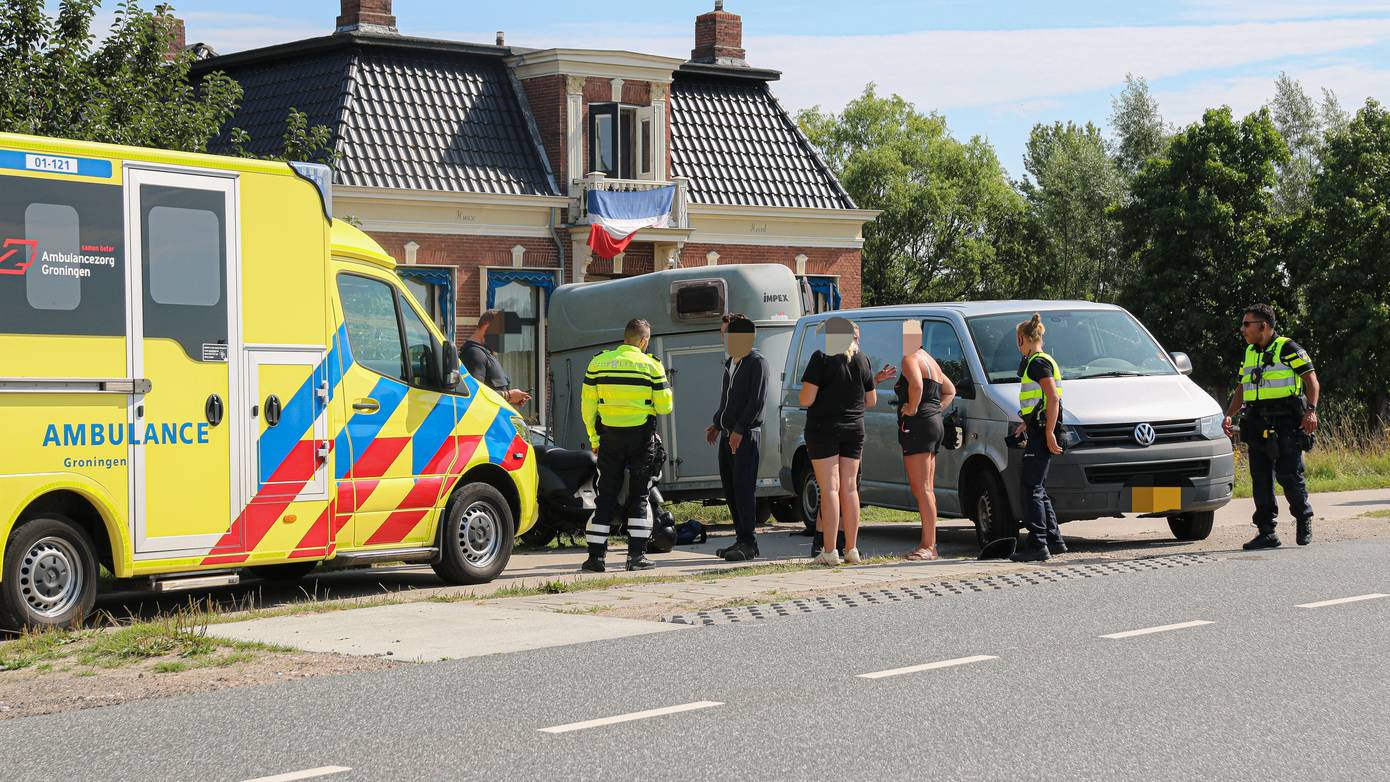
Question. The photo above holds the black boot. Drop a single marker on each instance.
(741, 552)
(1031, 554)
(593, 564)
(1262, 540)
(640, 562)
(1305, 532)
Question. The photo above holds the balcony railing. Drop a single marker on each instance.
(680, 214)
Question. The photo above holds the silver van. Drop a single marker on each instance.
(1132, 418)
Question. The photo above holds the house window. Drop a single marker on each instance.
(433, 287)
(824, 293)
(620, 140)
(524, 294)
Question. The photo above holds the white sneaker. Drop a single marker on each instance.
(827, 557)
(852, 556)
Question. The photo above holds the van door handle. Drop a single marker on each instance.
(366, 405)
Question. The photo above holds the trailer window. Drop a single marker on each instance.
(62, 258)
(374, 333)
(698, 299)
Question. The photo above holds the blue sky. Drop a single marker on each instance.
(992, 67)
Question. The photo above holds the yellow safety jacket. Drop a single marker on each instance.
(623, 387)
(1030, 393)
(1264, 376)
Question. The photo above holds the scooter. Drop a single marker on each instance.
(566, 491)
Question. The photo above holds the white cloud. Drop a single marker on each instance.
(955, 69)
(1253, 10)
(1353, 83)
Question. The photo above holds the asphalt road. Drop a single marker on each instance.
(1266, 690)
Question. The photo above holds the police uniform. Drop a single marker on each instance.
(1044, 533)
(1271, 382)
(624, 390)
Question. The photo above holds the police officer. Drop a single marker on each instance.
(624, 390)
(1279, 393)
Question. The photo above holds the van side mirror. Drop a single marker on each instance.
(449, 363)
(1182, 362)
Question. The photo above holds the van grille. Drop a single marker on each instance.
(1161, 472)
(1123, 434)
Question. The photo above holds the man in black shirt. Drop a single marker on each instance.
(479, 357)
(737, 429)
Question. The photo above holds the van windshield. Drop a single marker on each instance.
(1086, 343)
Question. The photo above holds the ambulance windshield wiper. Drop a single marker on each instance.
(1114, 373)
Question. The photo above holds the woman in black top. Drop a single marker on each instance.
(923, 392)
(835, 388)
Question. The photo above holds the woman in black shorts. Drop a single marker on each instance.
(836, 387)
(923, 392)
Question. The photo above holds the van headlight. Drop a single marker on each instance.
(1069, 437)
(1210, 427)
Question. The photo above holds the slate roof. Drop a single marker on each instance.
(739, 147)
(405, 113)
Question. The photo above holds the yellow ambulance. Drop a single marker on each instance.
(203, 374)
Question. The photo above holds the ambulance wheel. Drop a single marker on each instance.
(784, 510)
(50, 577)
(476, 537)
(290, 571)
(994, 520)
(1195, 525)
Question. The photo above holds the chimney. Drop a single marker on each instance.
(501, 38)
(366, 16)
(177, 42)
(718, 37)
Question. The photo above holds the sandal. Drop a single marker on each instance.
(921, 555)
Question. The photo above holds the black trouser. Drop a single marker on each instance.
(1280, 460)
(623, 451)
(739, 474)
(1037, 506)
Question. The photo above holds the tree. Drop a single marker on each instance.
(1137, 124)
(1343, 263)
(1201, 229)
(947, 205)
(1071, 186)
(1299, 124)
(1334, 118)
(57, 80)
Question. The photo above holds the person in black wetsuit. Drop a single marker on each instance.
(923, 392)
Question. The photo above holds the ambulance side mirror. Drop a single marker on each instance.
(448, 357)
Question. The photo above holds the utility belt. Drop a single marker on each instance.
(648, 425)
(1262, 430)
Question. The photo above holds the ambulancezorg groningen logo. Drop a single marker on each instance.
(17, 255)
(1145, 435)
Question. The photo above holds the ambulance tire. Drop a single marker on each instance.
(1194, 525)
(475, 541)
(290, 571)
(66, 588)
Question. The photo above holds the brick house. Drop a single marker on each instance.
(469, 162)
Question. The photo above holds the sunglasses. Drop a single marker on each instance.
(1245, 324)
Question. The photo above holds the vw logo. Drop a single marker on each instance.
(1145, 435)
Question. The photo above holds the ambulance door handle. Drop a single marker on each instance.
(366, 405)
(214, 409)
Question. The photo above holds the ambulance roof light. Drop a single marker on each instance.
(321, 177)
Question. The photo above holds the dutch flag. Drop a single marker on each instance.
(617, 215)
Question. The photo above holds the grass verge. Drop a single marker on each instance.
(1345, 459)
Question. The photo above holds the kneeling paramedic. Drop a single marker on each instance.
(1279, 394)
(624, 390)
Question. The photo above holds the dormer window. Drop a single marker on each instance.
(620, 140)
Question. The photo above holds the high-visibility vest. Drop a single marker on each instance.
(623, 387)
(1030, 393)
(1264, 376)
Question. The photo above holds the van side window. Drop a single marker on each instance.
(419, 347)
(62, 258)
(183, 237)
(882, 342)
(374, 334)
(941, 341)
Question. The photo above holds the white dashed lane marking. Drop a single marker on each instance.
(1342, 601)
(636, 715)
(308, 773)
(926, 667)
(1160, 629)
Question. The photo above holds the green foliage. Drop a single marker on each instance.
(1300, 125)
(57, 79)
(1202, 232)
(1071, 187)
(1135, 119)
(948, 208)
(1345, 242)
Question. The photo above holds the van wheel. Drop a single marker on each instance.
(290, 571)
(784, 510)
(539, 535)
(1195, 525)
(50, 575)
(807, 496)
(762, 510)
(993, 518)
(475, 540)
